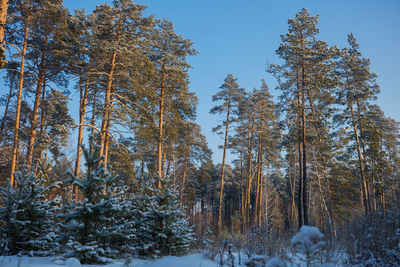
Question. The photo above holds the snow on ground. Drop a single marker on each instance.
(185, 261)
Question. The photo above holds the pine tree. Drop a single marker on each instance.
(230, 95)
(168, 52)
(119, 52)
(45, 63)
(306, 79)
(357, 90)
(27, 218)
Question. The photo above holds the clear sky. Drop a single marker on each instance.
(240, 37)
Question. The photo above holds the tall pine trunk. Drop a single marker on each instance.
(182, 188)
(107, 139)
(249, 167)
(3, 121)
(35, 113)
(260, 201)
(18, 111)
(160, 127)
(300, 159)
(83, 99)
(43, 122)
(93, 119)
(363, 181)
(305, 204)
(3, 18)
(364, 156)
(303, 114)
(221, 191)
(107, 105)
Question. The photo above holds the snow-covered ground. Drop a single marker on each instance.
(193, 260)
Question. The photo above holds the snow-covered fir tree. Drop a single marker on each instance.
(94, 231)
(26, 217)
(162, 227)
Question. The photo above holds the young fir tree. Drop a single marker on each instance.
(94, 231)
(162, 227)
(27, 218)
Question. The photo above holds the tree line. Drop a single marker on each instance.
(323, 154)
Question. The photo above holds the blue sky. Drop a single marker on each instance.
(240, 37)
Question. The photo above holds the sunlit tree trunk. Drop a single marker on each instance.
(182, 188)
(83, 99)
(35, 111)
(18, 111)
(249, 167)
(93, 119)
(260, 201)
(107, 105)
(221, 191)
(107, 139)
(3, 121)
(3, 18)
(363, 181)
(160, 127)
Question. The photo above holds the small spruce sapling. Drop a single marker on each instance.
(308, 242)
(93, 231)
(162, 228)
(26, 217)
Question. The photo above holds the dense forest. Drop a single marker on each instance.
(142, 179)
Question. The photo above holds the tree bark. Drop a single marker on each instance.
(300, 186)
(3, 121)
(305, 204)
(260, 201)
(83, 99)
(249, 167)
(107, 105)
(35, 113)
(93, 120)
(303, 114)
(364, 155)
(18, 112)
(3, 19)
(160, 126)
(107, 139)
(363, 181)
(221, 191)
(182, 188)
